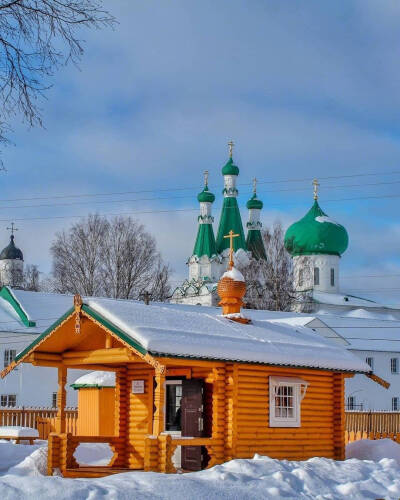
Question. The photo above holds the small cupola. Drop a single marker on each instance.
(232, 288)
(11, 252)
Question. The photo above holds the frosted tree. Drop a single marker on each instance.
(270, 282)
(116, 258)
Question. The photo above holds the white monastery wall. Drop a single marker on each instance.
(304, 272)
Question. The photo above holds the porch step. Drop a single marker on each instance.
(94, 471)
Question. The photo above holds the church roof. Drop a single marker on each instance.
(11, 251)
(206, 196)
(254, 202)
(316, 233)
(255, 244)
(230, 168)
(230, 220)
(205, 241)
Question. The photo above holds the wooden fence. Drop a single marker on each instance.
(372, 425)
(42, 419)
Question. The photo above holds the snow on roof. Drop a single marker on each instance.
(95, 379)
(341, 299)
(43, 308)
(201, 332)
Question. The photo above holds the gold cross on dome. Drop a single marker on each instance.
(230, 145)
(231, 235)
(205, 178)
(12, 228)
(316, 185)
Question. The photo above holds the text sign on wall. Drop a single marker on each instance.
(138, 386)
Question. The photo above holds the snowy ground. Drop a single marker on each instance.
(22, 470)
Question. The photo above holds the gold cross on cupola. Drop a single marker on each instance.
(254, 185)
(230, 145)
(12, 228)
(316, 185)
(231, 235)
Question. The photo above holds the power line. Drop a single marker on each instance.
(158, 198)
(119, 193)
(143, 212)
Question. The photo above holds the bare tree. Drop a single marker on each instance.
(30, 278)
(116, 258)
(77, 257)
(36, 38)
(270, 282)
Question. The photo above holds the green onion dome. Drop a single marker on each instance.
(206, 196)
(11, 251)
(230, 168)
(254, 202)
(316, 233)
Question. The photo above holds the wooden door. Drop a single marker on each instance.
(192, 421)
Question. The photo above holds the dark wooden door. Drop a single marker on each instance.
(192, 421)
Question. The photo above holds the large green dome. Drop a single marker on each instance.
(316, 233)
(230, 168)
(206, 196)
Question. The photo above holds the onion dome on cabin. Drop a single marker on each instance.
(316, 233)
(232, 288)
(11, 252)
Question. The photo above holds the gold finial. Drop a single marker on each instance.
(231, 235)
(205, 178)
(254, 185)
(316, 186)
(12, 228)
(230, 145)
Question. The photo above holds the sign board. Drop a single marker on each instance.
(138, 386)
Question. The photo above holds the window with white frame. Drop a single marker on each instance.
(394, 365)
(8, 400)
(9, 356)
(395, 404)
(286, 394)
(370, 362)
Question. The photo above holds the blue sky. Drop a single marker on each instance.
(305, 89)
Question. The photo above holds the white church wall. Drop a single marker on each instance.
(11, 271)
(368, 393)
(304, 271)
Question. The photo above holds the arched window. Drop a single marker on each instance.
(316, 275)
(332, 277)
(301, 277)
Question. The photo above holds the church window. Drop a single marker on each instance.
(370, 362)
(316, 275)
(395, 404)
(8, 400)
(301, 277)
(286, 394)
(9, 356)
(54, 400)
(332, 277)
(394, 365)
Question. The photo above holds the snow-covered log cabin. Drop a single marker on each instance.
(194, 387)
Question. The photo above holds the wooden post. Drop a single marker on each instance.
(338, 416)
(61, 399)
(159, 401)
(218, 416)
(121, 417)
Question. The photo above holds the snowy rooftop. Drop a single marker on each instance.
(95, 379)
(201, 332)
(341, 299)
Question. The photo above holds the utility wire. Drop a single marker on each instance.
(84, 195)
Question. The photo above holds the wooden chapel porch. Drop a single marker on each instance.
(83, 339)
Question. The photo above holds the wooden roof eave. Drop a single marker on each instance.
(27, 355)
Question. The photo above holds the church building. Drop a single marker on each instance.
(210, 255)
(11, 263)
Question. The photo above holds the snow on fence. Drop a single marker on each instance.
(42, 419)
